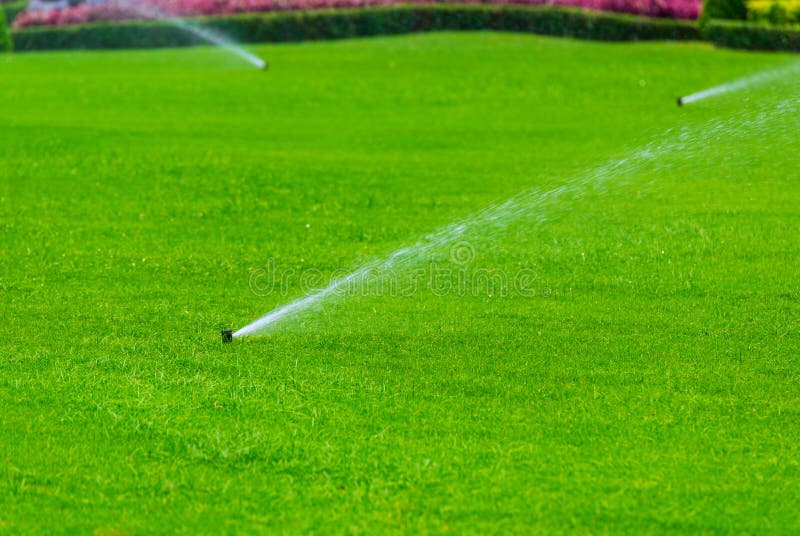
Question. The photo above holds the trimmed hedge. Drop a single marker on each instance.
(753, 36)
(339, 24)
(5, 37)
(723, 9)
(12, 9)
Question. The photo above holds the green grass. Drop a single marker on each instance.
(650, 386)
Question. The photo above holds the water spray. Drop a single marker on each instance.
(535, 206)
(215, 37)
(740, 83)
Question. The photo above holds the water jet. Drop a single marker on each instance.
(535, 206)
(740, 83)
(209, 35)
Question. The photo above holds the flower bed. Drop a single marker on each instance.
(118, 10)
(294, 26)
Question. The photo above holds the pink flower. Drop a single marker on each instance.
(118, 10)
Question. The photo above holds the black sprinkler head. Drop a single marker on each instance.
(680, 101)
(227, 335)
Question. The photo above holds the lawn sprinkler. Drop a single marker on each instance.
(227, 335)
(680, 101)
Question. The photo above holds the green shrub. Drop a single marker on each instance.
(338, 24)
(5, 35)
(753, 36)
(777, 14)
(12, 9)
(724, 9)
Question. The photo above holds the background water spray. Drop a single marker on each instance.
(220, 40)
(535, 206)
(210, 36)
(741, 83)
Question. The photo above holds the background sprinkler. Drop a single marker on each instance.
(741, 83)
(227, 335)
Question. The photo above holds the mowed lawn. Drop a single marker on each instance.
(649, 384)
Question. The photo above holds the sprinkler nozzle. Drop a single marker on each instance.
(680, 101)
(227, 335)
